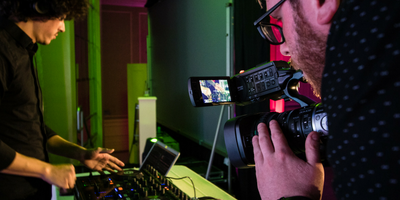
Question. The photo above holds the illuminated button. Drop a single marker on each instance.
(120, 188)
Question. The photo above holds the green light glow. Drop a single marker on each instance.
(154, 140)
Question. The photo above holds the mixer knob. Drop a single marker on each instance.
(186, 197)
(145, 192)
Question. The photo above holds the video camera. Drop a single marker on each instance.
(272, 80)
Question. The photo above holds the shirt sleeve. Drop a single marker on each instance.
(49, 132)
(7, 155)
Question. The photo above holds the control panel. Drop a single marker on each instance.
(129, 184)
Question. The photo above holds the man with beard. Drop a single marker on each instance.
(25, 171)
(349, 52)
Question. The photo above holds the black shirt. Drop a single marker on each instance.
(361, 89)
(22, 128)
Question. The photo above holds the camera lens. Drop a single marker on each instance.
(295, 125)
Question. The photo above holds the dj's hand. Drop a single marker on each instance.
(279, 172)
(62, 176)
(99, 159)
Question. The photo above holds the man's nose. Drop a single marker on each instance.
(62, 26)
(284, 49)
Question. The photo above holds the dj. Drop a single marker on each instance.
(349, 51)
(24, 138)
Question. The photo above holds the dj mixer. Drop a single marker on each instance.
(130, 184)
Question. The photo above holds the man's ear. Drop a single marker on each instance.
(326, 11)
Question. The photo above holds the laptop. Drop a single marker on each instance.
(161, 157)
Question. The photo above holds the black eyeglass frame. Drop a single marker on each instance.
(259, 23)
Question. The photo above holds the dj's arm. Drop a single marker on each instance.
(60, 175)
(97, 159)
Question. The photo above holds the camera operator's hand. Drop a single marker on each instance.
(279, 172)
(62, 176)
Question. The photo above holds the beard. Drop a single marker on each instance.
(308, 54)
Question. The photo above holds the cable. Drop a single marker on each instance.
(194, 188)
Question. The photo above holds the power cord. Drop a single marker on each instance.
(194, 188)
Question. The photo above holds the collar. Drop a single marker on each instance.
(18, 34)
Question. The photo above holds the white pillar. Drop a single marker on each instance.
(147, 122)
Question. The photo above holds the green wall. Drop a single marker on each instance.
(56, 68)
(57, 75)
(94, 62)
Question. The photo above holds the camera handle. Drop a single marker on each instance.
(292, 93)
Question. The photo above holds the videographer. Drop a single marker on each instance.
(24, 137)
(348, 51)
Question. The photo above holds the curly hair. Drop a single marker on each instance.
(22, 10)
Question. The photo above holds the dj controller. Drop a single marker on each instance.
(146, 184)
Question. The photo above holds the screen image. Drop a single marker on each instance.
(161, 157)
(215, 91)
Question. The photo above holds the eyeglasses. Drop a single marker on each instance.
(271, 32)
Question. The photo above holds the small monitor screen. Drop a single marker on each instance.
(161, 157)
(215, 91)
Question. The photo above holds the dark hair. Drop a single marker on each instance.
(22, 10)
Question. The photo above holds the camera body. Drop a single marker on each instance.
(273, 80)
(265, 81)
